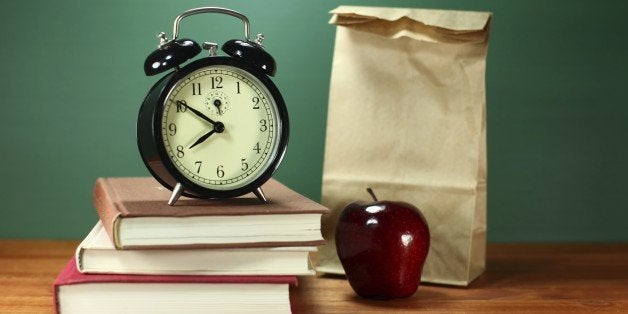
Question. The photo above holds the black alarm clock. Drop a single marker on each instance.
(216, 127)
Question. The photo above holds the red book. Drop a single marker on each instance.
(75, 292)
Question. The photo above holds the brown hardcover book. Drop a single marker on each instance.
(135, 214)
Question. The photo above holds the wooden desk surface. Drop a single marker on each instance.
(520, 278)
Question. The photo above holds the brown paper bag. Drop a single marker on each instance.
(407, 118)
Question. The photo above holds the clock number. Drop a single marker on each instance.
(219, 172)
(216, 82)
(181, 106)
(237, 87)
(256, 148)
(255, 102)
(196, 88)
(180, 152)
(172, 128)
(198, 163)
(245, 165)
(263, 127)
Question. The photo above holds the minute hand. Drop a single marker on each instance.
(198, 113)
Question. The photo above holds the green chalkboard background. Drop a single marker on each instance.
(557, 79)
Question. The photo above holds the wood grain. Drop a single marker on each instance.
(520, 278)
(27, 270)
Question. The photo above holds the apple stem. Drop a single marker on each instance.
(372, 194)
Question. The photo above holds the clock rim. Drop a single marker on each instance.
(190, 188)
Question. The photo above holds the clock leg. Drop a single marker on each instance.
(176, 193)
(260, 194)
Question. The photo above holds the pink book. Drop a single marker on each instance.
(75, 292)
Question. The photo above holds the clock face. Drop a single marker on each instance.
(220, 127)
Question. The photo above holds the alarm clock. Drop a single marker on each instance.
(216, 127)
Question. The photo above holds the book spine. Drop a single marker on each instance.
(108, 210)
(55, 298)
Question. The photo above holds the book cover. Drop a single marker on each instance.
(144, 201)
(96, 254)
(145, 290)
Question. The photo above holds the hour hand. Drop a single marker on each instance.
(203, 138)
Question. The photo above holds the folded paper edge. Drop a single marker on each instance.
(451, 20)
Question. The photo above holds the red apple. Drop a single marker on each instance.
(382, 247)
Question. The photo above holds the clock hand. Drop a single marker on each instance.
(203, 138)
(218, 103)
(198, 113)
(218, 128)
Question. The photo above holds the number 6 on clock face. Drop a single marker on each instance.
(234, 147)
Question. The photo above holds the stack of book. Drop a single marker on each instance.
(235, 255)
